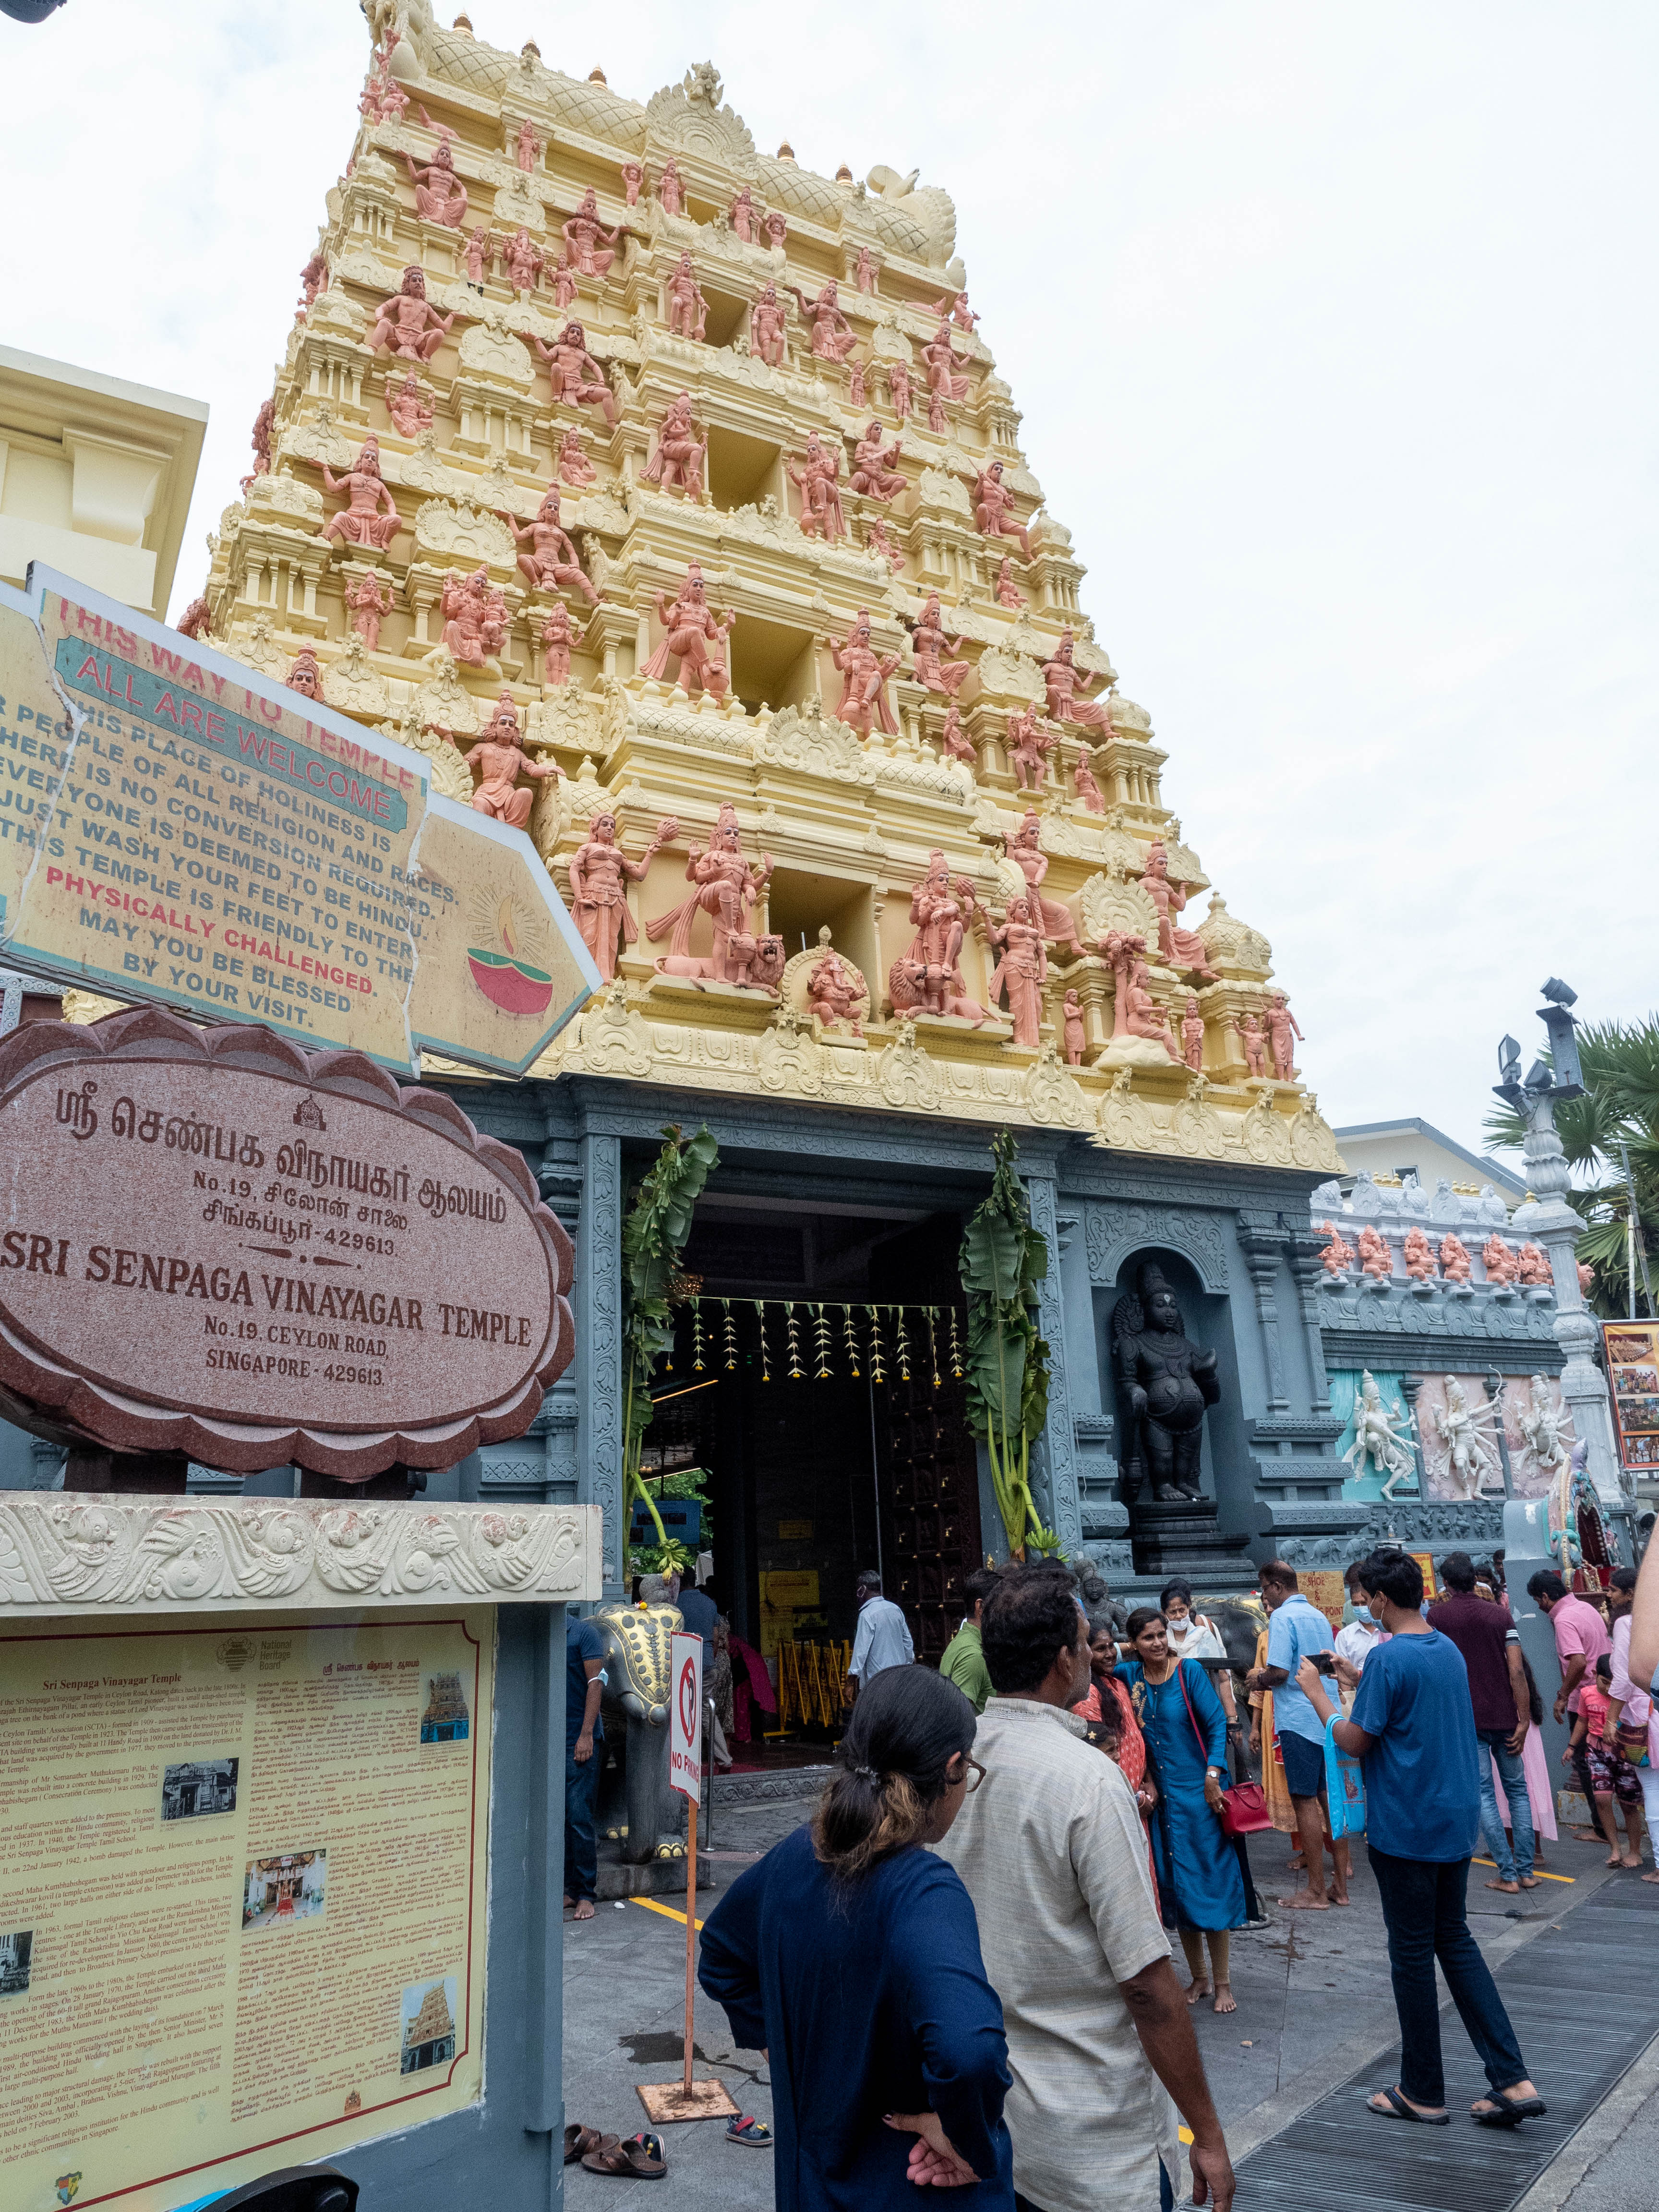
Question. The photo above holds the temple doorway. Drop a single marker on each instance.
(816, 1380)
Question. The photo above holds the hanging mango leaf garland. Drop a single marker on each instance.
(654, 1236)
(1003, 1260)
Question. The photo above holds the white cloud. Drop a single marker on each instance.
(1333, 335)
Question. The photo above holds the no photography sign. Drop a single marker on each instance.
(685, 1726)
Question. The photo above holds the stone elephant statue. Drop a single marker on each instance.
(637, 1809)
(1239, 1621)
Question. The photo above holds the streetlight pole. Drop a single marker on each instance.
(1548, 1219)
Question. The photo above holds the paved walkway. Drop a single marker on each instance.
(1314, 2011)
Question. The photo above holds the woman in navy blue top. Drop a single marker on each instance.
(850, 1954)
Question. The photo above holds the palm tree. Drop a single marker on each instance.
(1620, 1107)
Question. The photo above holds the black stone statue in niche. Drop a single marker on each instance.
(1167, 1385)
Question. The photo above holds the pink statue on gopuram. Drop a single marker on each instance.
(304, 675)
(362, 522)
(576, 378)
(954, 307)
(766, 326)
(1071, 1021)
(688, 310)
(1281, 1027)
(1023, 969)
(1248, 1033)
(728, 888)
(742, 216)
(407, 324)
(833, 336)
(877, 541)
(874, 473)
(1192, 1035)
(690, 629)
(575, 467)
(1532, 1266)
(263, 424)
(1586, 1279)
(1029, 747)
(834, 993)
(564, 284)
(817, 478)
(1420, 1263)
(1007, 596)
(1376, 1254)
(865, 271)
(676, 461)
(633, 177)
(898, 384)
(928, 643)
(1339, 1255)
(669, 194)
(953, 741)
(1455, 1261)
(1083, 782)
(994, 515)
(439, 195)
(937, 420)
(313, 279)
(497, 761)
(529, 147)
(600, 872)
(1499, 1259)
(479, 252)
(1176, 948)
(551, 564)
(1065, 689)
(557, 638)
(522, 261)
(475, 617)
(864, 673)
(856, 375)
(943, 361)
(926, 978)
(589, 248)
(369, 609)
(406, 403)
(196, 620)
(1025, 849)
(776, 229)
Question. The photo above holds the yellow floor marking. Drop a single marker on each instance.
(1542, 1875)
(650, 1905)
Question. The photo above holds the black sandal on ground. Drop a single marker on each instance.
(1504, 2111)
(1403, 2111)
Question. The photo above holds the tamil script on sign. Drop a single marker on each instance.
(176, 828)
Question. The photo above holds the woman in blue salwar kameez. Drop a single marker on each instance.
(1181, 1715)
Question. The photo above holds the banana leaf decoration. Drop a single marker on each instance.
(1003, 1260)
(654, 1236)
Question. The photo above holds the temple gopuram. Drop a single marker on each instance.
(666, 497)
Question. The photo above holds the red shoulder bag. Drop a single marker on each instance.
(1244, 1806)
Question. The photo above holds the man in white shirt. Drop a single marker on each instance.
(882, 1639)
(1052, 1851)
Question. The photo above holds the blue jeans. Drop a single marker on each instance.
(1512, 1865)
(581, 1843)
(1425, 1909)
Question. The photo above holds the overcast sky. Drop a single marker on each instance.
(1334, 332)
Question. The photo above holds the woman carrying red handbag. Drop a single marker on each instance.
(1200, 1893)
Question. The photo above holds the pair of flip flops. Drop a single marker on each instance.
(1501, 2111)
(747, 2130)
(639, 2159)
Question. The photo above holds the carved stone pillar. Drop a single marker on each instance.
(1057, 1497)
(1307, 1266)
(1409, 1387)
(599, 1301)
(1262, 1243)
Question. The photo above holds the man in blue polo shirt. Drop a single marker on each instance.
(1295, 1630)
(1413, 1730)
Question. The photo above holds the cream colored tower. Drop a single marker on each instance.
(848, 821)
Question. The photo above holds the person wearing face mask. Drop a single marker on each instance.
(1195, 1636)
(1357, 1638)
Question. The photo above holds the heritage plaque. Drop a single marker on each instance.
(246, 1894)
(213, 1242)
(177, 829)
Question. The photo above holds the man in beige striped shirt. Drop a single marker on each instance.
(1052, 1850)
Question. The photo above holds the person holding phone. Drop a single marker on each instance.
(1296, 1632)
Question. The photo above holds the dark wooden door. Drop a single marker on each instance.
(930, 1499)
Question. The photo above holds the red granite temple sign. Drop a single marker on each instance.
(213, 1242)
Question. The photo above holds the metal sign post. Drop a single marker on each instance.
(687, 2099)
